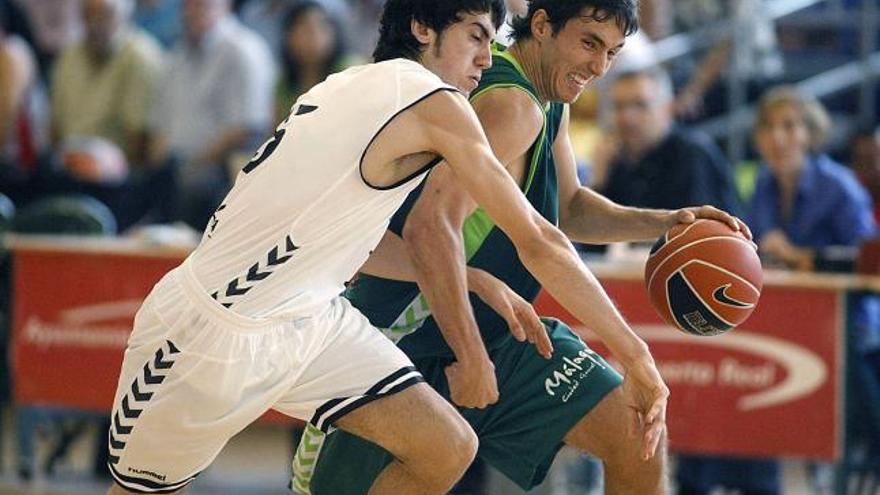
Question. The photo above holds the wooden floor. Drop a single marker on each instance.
(256, 463)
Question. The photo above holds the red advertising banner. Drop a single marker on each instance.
(773, 387)
(770, 388)
(73, 313)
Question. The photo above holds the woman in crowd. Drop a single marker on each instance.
(313, 48)
(806, 210)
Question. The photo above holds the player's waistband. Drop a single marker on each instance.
(184, 277)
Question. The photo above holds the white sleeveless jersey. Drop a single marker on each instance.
(300, 220)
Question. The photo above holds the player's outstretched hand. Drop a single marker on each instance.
(520, 316)
(691, 214)
(472, 385)
(646, 395)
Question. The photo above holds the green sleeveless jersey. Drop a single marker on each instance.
(399, 309)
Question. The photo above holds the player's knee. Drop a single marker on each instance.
(634, 474)
(451, 452)
(459, 444)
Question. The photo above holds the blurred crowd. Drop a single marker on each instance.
(150, 107)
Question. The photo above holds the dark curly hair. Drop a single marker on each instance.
(395, 33)
(624, 12)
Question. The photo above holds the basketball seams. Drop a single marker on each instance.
(683, 232)
(725, 271)
(697, 293)
(694, 290)
(682, 248)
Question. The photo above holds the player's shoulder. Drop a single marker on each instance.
(401, 71)
(511, 105)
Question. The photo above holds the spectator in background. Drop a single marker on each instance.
(267, 18)
(161, 18)
(314, 48)
(804, 201)
(55, 24)
(104, 85)
(16, 21)
(21, 121)
(804, 206)
(215, 100)
(649, 161)
(806, 211)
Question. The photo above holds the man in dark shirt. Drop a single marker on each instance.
(656, 164)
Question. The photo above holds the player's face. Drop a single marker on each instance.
(783, 138)
(582, 51)
(461, 52)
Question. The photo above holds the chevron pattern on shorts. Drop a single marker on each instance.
(304, 459)
(240, 286)
(142, 390)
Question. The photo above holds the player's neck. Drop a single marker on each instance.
(528, 54)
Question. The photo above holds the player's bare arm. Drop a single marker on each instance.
(400, 149)
(587, 216)
(511, 122)
(433, 231)
(391, 260)
(453, 131)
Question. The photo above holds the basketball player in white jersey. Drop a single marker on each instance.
(252, 320)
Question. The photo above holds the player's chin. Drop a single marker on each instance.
(468, 85)
(568, 94)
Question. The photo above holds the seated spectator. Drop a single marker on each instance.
(21, 122)
(160, 18)
(215, 100)
(804, 202)
(267, 17)
(651, 162)
(16, 21)
(314, 48)
(56, 24)
(104, 84)
(804, 206)
(808, 208)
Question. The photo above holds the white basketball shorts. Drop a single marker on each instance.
(195, 374)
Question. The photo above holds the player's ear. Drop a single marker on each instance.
(422, 32)
(541, 27)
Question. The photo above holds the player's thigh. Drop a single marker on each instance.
(414, 422)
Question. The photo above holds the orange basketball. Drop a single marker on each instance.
(704, 278)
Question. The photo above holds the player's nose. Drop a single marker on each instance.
(484, 57)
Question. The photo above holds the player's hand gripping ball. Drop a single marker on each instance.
(704, 278)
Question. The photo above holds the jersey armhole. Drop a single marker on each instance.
(418, 172)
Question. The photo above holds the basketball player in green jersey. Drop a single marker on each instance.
(570, 395)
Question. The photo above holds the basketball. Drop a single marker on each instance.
(704, 278)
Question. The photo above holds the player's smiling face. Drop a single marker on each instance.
(576, 55)
(461, 52)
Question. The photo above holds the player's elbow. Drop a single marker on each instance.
(539, 238)
(423, 232)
